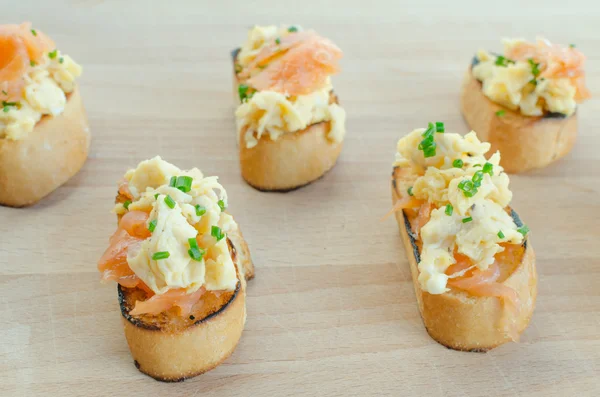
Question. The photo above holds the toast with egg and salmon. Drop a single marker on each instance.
(472, 265)
(289, 122)
(181, 264)
(524, 102)
(44, 132)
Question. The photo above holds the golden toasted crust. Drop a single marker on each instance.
(460, 321)
(50, 155)
(292, 161)
(525, 142)
(172, 348)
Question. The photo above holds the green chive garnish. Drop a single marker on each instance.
(7, 105)
(503, 61)
(409, 191)
(217, 233)
(428, 144)
(6, 109)
(476, 165)
(278, 40)
(477, 178)
(61, 59)
(126, 204)
(523, 230)
(488, 168)
(292, 29)
(571, 45)
(221, 204)
(4, 92)
(169, 202)
(33, 32)
(500, 234)
(156, 196)
(439, 126)
(173, 181)
(152, 225)
(458, 163)
(500, 113)
(195, 252)
(468, 188)
(184, 183)
(466, 220)
(32, 63)
(52, 54)
(535, 70)
(160, 255)
(200, 210)
(243, 91)
(449, 209)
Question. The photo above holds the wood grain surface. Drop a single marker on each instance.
(332, 309)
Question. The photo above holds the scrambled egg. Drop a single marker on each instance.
(272, 113)
(258, 36)
(193, 216)
(512, 86)
(436, 180)
(46, 86)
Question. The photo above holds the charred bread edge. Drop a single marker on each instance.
(548, 115)
(417, 256)
(234, 55)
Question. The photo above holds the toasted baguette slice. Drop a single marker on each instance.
(50, 155)
(290, 162)
(525, 142)
(458, 320)
(172, 348)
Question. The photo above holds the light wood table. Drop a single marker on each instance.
(332, 309)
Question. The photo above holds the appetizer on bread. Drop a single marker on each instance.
(44, 133)
(472, 265)
(289, 123)
(181, 264)
(524, 102)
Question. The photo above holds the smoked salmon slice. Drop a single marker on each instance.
(163, 302)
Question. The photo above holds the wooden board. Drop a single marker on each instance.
(332, 309)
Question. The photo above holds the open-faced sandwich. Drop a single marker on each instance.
(181, 265)
(472, 265)
(290, 126)
(44, 133)
(524, 102)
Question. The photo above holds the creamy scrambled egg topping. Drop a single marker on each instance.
(195, 215)
(273, 113)
(515, 86)
(46, 86)
(436, 180)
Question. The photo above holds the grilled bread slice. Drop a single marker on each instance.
(56, 149)
(461, 321)
(172, 348)
(525, 142)
(290, 162)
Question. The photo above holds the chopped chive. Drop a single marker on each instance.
(32, 63)
(466, 220)
(439, 126)
(500, 113)
(222, 205)
(52, 54)
(152, 225)
(243, 91)
(278, 40)
(488, 168)
(61, 60)
(200, 210)
(468, 188)
(169, 202)
(428, 144)
(33, 32)
(523, 230)
(535, 70)
(217, 233)
(429, 151)
(184, 183)
(173, 181)
(195, 252)
(477, 165)
(4, 92)
(292, 29)
(160, 255)
(500, 234)
(6, 109)
(409, 191)
(156, 196)
(477, 178)
(571, 45)
(503, 61)
(126, 204)
(449, 209)
(458, 163)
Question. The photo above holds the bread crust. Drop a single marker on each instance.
(291, 161)
(458, 320)
(174, 349)
(56, 149)
(525, 142)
